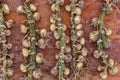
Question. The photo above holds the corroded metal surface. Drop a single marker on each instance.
(91, 10)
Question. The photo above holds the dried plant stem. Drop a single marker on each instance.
(4, 47)
(32, 34)
(73, 64)
(61, 64)
(77, 39)
(101, 35)
(101, 27)
(62, 44)
(103, 42)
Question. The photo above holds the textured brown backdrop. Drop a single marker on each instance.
(112, 21)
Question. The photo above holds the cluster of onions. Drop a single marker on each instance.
(62, 41)
(41, 42)
(78, 41)
(30, 41)
(5, 58)
(100, 36)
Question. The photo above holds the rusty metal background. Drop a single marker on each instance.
(91, 10)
